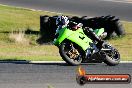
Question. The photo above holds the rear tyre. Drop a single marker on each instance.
(44, 25)
(119, 28)
(112, 57)
(109, 23)
(70, 53)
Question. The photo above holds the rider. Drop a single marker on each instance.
(63, 21)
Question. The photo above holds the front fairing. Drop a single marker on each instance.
(62, 34)
(80, 39)
(77, 37)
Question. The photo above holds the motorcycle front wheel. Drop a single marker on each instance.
(70, 53)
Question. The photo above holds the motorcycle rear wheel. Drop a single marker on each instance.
(111, 57)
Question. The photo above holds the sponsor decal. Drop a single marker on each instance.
(83, 78)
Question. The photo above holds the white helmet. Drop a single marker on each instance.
(62, 20)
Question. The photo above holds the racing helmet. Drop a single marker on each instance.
(62, 20)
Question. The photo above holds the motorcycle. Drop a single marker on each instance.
(73, 44)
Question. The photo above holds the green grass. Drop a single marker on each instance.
(18, 19)
(28, 52)
(12, 18)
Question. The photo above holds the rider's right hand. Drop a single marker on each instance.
(74, 25)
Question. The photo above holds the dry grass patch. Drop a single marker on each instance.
(19, 37)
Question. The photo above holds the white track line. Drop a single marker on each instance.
(65, 62)
(126, 62)
(121, 1)
(46, 62)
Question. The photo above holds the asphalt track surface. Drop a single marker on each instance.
(57, 75)
(91, 8)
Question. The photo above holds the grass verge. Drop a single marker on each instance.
(14, 19)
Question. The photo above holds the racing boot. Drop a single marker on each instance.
(89, 32)
(98, 39)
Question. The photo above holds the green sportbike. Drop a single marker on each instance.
(73, 44)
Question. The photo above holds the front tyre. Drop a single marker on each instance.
(111, 55)
(70, 53)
